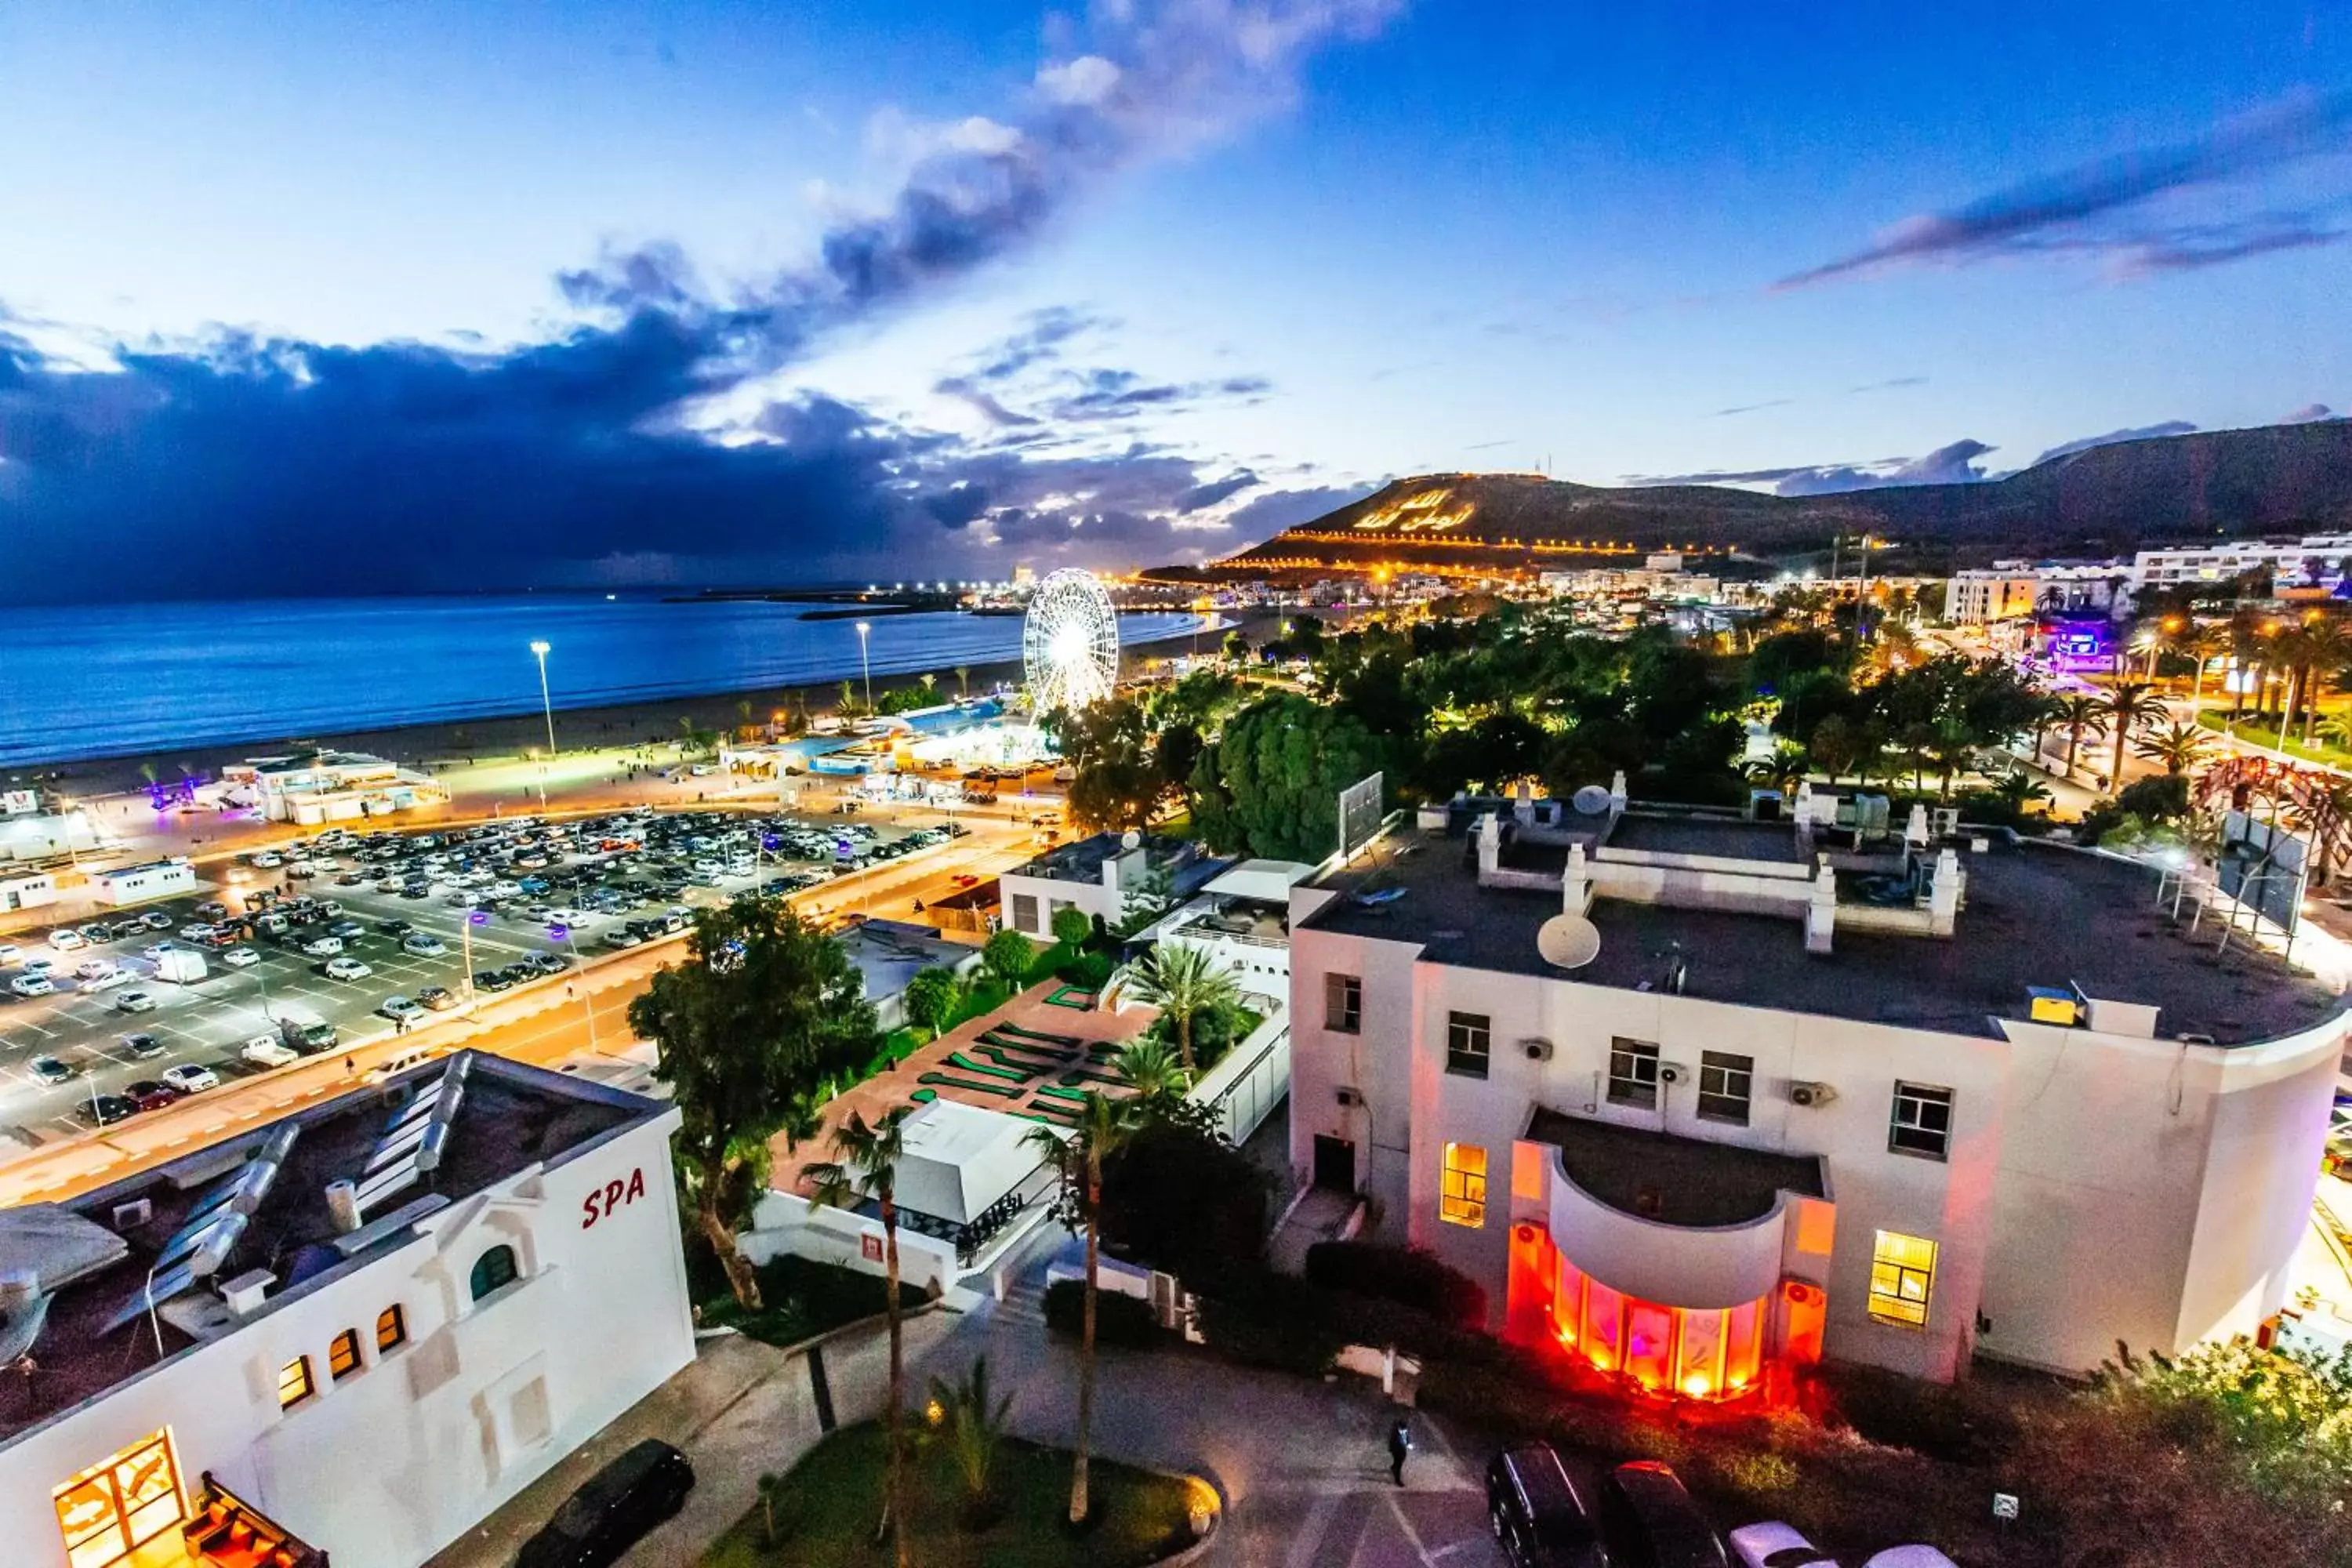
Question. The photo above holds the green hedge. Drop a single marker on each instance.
(1120, 1320)
(1408, 1276)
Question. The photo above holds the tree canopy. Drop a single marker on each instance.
(1270, 786)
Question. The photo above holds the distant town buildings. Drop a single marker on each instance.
(2017, 590)
(316, 788)
(2314, 561)
(1696, 1097)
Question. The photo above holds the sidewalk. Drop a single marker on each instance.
(742, 1410)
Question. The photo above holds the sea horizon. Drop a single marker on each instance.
(89, 683)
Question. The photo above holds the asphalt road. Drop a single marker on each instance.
(207, 1023)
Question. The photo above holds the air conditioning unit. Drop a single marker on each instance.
(1537, 1051)
(1350, 1096)
(133, 1214)
(1811, 1094)
(1670, 1072)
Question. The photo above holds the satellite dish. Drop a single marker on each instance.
(1590, 801)
(1130, 839)
(1568, 941)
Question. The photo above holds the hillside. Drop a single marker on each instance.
(2278, 479)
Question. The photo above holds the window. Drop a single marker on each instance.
(391, 1327)
(1024, 913)
(1724, 1083)
(1462, 1186)
(1923, 1121)
(1468, 1036)
(343, 1355)
(1343, 1004)
(294, 1384)
(1633, 1073)
(494, 1269)
(1902, 1276)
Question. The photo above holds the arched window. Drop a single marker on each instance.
(391, 1327)
(494, 1269)
(343, 1355)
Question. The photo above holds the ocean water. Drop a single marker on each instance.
(101, 681)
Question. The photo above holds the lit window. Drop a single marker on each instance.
(1343, 1004)
(492, 1270)
(1724, 1084)
(343, 1355)
(1902, 1278)
(1633, 1073)
(1467, 1036)
(391, 1327)
(294, 1383)
(1462, 1187)
(1923, 1121)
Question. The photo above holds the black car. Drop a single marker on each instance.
(1656, 1523)
(395, 928)
(605, 1516)
(144, 1048)
(493, 980)
(1539, 1518)
(106, 1110)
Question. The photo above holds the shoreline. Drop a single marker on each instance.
(642, 722)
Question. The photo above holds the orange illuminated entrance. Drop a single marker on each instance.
(1699, 1354)
(121, 1501)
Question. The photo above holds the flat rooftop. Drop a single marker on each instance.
(2036, 915)
(1729, 839)
(1671, 1179)
(512, 1117)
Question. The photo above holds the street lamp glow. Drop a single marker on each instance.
(547, 706)
(863, 628)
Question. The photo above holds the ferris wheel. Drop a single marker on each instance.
(1069, 643)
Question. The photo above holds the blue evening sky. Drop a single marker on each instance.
(1466, 235)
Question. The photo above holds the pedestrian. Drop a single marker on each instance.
(350, 1067)
(1400, 1444)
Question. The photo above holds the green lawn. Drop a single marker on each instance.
(827, 1517)
(799, 1299)
(2265, 735)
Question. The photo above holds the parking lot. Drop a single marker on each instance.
(492, 899)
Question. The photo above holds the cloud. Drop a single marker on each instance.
(1950, 465)
(1896, 385)
(2088, 209)
(1262, 516)
(2310, 414)
(985, 403)
(1201, 497)
(2144, 432)
(1751, 407)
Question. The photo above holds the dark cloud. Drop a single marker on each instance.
(1039, 341)
(1106, 392)
(2088, 209)
(2144, 432)
(1200, 498)
(1262, 516)
(961, 389)
(1751, 407)
(2310, 414)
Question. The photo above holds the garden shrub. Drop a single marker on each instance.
(1089, 971)
(1120, 1320)
(1269, 1320)
(1410, 1277)
(1177, 1200)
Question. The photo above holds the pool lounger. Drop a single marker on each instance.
(963, 1063)
(1007, 1090)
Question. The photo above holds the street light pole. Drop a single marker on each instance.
(547, 707)
(864, 627)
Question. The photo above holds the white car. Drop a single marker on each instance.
(399, 1007)
(94, 969)
(187, 1077)
(239, 957)
(323, 946)
(10, 953)
(1773, 1544)
(135, 1001)
(424, 946)
(269, 859)
(66, 940)
(270, 1051)
(200, 931)
(561, 917)
(32, 985)
(347, 969)
(108, 982)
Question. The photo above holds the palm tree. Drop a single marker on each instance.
(867, 1167)
(1103, 1125)
(2130, 705)
(774, 1488)
(2337, 730)
(2078, 714)
(963, 682)
(930, 683)
(2204, 644)
(1153, 1071)
(1183, 981)
(2176, 747)
(848, 696)
(974, 1425)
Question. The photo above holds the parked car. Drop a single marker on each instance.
(395, 926)
(1658, 1525)
(1539, 1518)
(156, 920)
(66, 940)
(345, 969)
(1773, 1544)
(1910, 1557)
(149, 1095)
(32, 985)
(10, 953)
(437, 997)
(188, 1078)
(613, 1509)
(399, 1007)
(94, 969)
(50, 1070)
(323, 946)
(270, 1051)
(106, 1110)
(239, 957)
(424, 946)
(143, 1048)
(492, 981)
(133, 1002)
(346, 929)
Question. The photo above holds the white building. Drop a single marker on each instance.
(1896, 1103)
(151, 880)
(1099, 877)
(371, 1323)
(329, 786)
(33, 837)
(2314, 561)
(1241, 919)
(2012, 590)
